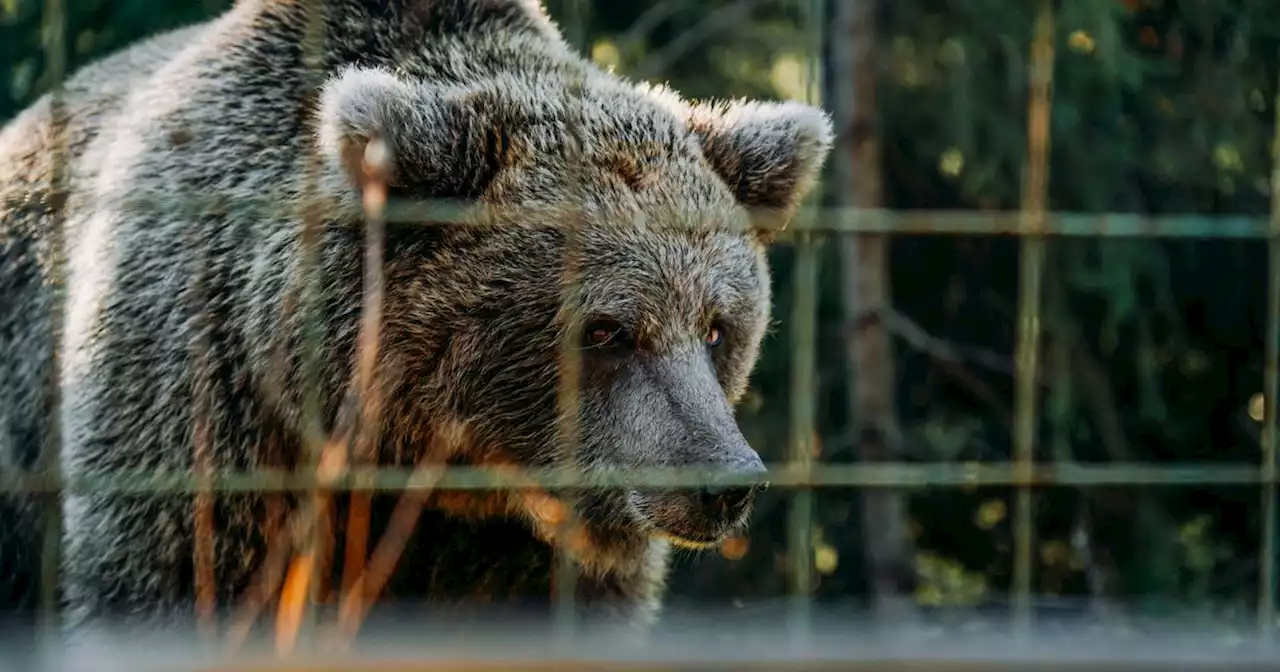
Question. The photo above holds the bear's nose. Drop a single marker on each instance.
(725, 501)
(728, 500)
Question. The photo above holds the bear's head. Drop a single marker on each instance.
(603, 300)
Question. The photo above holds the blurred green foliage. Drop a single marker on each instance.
(1153, 347)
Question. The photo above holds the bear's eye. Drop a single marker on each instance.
(714, 336)
(602, 333)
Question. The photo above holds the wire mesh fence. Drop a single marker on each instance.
(344, 462)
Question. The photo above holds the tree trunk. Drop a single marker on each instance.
(864, 259)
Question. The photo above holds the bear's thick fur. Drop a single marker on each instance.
(193, 159)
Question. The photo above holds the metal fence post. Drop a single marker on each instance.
(1271, 389)
(49, 466)
(1031, 280)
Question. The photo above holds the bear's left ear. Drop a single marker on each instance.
(769, 153)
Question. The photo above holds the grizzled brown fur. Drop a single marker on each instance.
(175, 304)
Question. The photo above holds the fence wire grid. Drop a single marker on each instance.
(343, 464)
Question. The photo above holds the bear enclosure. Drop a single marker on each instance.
(1019, 403)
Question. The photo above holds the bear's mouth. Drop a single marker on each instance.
(676, 527)
(684, 521)
(688, 542)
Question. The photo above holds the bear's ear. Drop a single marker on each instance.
(769, 153)
(439, 142)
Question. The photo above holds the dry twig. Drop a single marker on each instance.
(376, 166)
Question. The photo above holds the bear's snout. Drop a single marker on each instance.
(697, 517)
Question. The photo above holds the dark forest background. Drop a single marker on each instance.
(1153, 348)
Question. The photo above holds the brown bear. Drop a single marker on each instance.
(193, 160)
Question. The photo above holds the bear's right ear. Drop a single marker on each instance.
(440, 144)
(770, 154)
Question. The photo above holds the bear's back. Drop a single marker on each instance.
(88, 103)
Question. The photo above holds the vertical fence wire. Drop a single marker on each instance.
(55, 41)
(302, 585)
(568, 397)
(568, 393)
(1030, 281)
(280, 580)
(803, 412)
(1271, 389)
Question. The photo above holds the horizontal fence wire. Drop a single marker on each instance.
(825, 219)
(817, 475)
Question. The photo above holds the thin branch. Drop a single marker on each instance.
(377, 161)
(365, 587)
(720, 20)
(949, 357)
(307, 568)
(938, 349)
(650, 19)
(263, 587)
